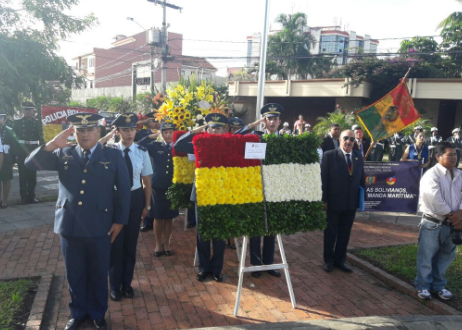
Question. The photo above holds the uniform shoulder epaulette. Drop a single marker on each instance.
(141, 147)
(10, 128)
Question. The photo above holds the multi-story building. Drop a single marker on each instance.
(125, 68)
(328, 40)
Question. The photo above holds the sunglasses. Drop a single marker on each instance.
(346, 138)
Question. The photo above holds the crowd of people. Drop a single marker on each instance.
(109, 192)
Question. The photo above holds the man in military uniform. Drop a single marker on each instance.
(28, 132)
(457, 142)
(434, 139)
(89, 212)
(271, 116)
(208, 265)
(377, 151)
(8, 139)
(123, 251)
(235, 124)
(396, 142)
(153, 126)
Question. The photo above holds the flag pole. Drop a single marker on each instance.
(407, 74)
(368, 150)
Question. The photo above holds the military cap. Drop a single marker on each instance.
(285, 124)
(167, 125)
(151, 115)
(456, 130)
(28, 105)
(84, 119)
(236, 122)
(355, 127)
(307, 125)
(434, 129)
(216, 120)
(126, 120)
(272, 110)
(420, 128)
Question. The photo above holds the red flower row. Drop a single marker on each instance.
(225, 150)
(176, 136)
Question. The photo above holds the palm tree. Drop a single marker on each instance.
(288, 47)
(345, 120)
(453, 20)
(452, 39)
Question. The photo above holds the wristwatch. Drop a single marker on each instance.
(148, 208)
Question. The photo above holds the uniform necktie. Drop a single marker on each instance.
(86, 154)
(348, 162)
(129, 165)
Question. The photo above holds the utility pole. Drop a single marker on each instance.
(164, 39)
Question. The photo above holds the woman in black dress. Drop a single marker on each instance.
(162, 163)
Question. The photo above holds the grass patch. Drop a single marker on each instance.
(12, 295)
(401, 262)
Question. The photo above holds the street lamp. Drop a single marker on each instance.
(133, 20)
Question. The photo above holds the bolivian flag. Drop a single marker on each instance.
(229, 187)
(392, 113)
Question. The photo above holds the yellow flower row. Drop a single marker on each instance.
(228, 185)
(183, 170)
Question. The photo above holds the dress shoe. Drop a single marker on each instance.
(100, 324)
(115, 295)
(274, 272)
(190, 225)
(256, 274)
(73, 324)
(217, 277)
(344, 267)
(128, 292)
(168, 253)
(33, 200)
(145, 228)
(24, 201)
(328, 267)
(201, 276)
(158, 254)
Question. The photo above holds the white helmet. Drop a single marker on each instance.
(434, 129)
(286, 124)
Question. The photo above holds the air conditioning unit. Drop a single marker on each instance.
(153, 36)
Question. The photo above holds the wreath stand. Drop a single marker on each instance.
(243, 269)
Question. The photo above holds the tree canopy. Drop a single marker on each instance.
(30, 67)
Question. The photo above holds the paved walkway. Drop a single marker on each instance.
(167, 295)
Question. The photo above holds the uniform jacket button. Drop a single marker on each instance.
(81, 192)
(80, 203)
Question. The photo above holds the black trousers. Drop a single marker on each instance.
(27, 180)
(377, 154)
(123, 250)
(268, 250)
(337, 235)
(87, 264)
(191, 217)
(396, 154)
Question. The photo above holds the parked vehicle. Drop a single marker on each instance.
(109, 117)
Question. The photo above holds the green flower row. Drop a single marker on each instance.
(300, 149)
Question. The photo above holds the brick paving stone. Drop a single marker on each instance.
(168, 296)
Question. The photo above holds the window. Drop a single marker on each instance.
(91, 62)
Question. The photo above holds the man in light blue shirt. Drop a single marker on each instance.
(123, 252)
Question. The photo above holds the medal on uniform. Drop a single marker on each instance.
(105, 164)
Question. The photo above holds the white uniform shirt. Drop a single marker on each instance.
(140, 161)
(1, 146)
(439, 193)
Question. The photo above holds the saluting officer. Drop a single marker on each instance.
(89, 212)
(396, 142)
(435, 138)
(162, 179)
(457, 142)
(216, 123)
(27, 130)
(123, 251)
(271, 116)
(152, 127)
(8, 139)
(235, 124)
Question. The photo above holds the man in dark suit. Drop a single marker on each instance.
(342, 173)
(330, 141)
(361, 144)
(89, 212)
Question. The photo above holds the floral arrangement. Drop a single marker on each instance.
(227, 185)
(293, 207)
(188, 102)
(231, 190)
(179, 192)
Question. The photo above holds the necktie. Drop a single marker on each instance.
(86, 154)
(129, 165)
(349, 162)
(360, 147)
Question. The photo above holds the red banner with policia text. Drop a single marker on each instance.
(392, 113)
